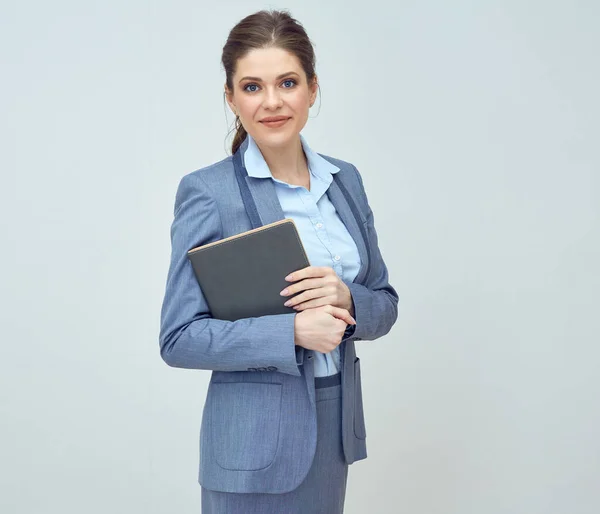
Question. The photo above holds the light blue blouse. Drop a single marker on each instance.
(323, 234)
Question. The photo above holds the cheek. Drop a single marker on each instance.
(302, 110)
(248, 108)
(300, 103)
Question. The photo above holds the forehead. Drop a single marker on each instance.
(267, 63)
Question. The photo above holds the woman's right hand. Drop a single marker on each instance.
(321, 328)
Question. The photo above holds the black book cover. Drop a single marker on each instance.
(241, 276)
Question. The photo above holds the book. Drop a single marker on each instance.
(241, 276)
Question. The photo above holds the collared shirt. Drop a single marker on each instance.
(325, 238)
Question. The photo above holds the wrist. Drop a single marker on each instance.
(349, 301)
(351, 307)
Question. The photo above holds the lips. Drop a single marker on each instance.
(274, 118)
(280, 122)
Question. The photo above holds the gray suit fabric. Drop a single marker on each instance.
(323, 491)
(259, 423)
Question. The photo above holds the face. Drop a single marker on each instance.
(270, 82)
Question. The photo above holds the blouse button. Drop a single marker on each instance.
(337, 257)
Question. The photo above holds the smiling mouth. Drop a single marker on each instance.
(275, 123)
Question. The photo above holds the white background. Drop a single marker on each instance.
(475, 128)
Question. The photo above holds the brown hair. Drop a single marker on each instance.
(265, 29)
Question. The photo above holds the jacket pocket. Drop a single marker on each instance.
(359, 415)
(245, 419)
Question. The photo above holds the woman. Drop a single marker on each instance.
(283, 415)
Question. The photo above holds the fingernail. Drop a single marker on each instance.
(284, 292)
(287, 304)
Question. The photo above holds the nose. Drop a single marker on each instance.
(272, 99)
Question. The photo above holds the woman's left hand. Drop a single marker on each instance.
(321, 286)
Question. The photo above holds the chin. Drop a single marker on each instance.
(275, 139)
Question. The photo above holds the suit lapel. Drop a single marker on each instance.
(265, 197)
(269, 209)
(342, 207)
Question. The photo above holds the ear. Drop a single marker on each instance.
(313, 90)
(229, 98)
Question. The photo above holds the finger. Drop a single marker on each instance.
(317, 302)
(310, 272)
(340, 313)
(304, 285)
(302, 297)
(318, 271)
(299, 274)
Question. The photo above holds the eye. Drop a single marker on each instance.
(252, 84)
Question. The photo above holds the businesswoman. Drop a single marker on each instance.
(283, 416)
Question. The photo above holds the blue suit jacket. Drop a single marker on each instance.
(258, 430)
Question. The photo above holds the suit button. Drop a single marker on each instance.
(272, 368)
(252, 369)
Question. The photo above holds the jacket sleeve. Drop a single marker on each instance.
(189, 337)
(376, 303)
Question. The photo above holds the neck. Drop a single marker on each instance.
(288, 163)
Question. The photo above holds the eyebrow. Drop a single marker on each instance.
(258, 79)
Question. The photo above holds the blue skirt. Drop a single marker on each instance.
(323, 490)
